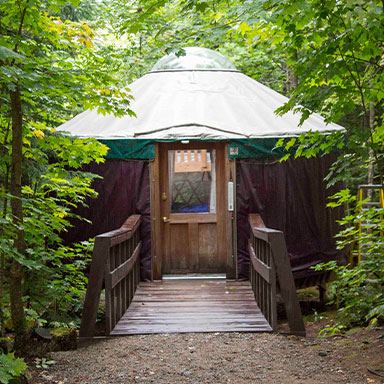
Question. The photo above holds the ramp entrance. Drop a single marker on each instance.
(181, 305)
(192, 305)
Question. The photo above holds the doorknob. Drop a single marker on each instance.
(165, 220)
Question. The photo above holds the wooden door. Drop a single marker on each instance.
(192, 208)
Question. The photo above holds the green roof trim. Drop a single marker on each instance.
(138, 149)
(255, 148)
(144, 149)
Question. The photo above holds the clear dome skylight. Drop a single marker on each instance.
(195, 58)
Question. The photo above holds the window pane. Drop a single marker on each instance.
(192, 181)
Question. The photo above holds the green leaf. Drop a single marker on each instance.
(4, 376)
(6, 53)
(290, 143)
(10, 367)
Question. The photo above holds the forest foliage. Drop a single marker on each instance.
(59, 57)
(50, 69)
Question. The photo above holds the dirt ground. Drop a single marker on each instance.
(223, 358)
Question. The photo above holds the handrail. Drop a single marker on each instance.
(356, 251)
(269, 258)
(115, 262)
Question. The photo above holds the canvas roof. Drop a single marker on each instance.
(197, 96)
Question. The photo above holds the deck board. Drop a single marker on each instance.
(181, 306)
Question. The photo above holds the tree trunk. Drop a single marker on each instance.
(292, 79)
(2, 255)
(288, 80)
(2, 270)
(16, 271)
(371, 152)
(3, 215)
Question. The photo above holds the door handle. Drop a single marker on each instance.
(165, 219)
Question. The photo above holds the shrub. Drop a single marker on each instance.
(11, 367)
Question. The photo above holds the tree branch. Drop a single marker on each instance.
(21, 25)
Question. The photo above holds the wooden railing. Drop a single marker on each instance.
(115, 262)
(268, 260)
(262, 273)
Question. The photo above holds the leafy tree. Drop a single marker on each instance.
(335, 50)
(48, 68)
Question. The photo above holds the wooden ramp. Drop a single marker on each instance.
(180, 306)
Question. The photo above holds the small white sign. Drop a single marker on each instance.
(230, 196)
(233, 151)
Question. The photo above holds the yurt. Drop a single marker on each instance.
(197, 159)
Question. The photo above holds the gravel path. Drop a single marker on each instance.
(218, 358)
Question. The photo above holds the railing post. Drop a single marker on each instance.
(268, 260)
(115, 261)
(95, 284)
(273, 294)
(109, 298)
(287, 283)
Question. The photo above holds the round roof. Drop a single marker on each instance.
(198, 104)
(195, 58)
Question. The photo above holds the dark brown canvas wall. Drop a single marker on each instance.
(290, 196)
(123, 191)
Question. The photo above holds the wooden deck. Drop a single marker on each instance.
(181, 306)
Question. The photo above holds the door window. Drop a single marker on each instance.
(192, 180)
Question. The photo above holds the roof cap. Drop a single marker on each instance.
(195, 58)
